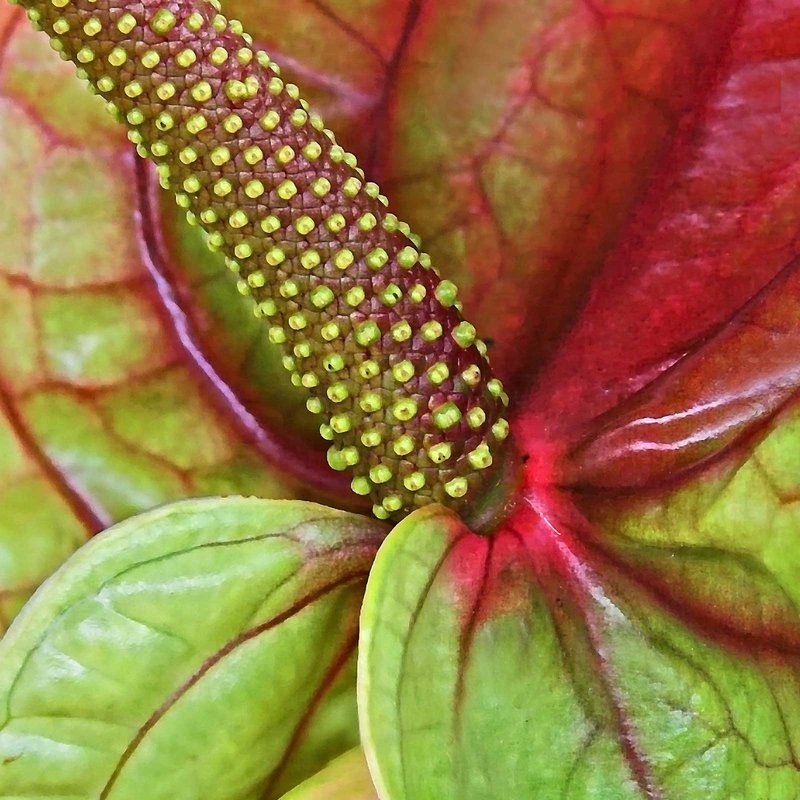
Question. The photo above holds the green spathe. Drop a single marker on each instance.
(201, 650)
(506, 668)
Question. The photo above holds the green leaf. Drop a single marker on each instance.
(204, 649)
(232, 334)
(346, 778)
(38, 529)
(502, 667)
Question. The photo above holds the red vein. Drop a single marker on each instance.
(692, 613)
(92, 517)
(380, 113)
(215, 659)
(7, 31)
(349, 96)
(306, 465)
(628, 735)
(328, 679)
(585, 590)
(468, 636)
(346, 28)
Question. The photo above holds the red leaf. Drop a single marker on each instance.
(514, 137)
(717, 225)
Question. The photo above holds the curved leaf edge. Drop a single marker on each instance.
(62, 584)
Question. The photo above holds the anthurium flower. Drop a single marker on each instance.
(586, 589)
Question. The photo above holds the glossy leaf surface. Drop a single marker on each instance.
(524, 666)
(204, 649)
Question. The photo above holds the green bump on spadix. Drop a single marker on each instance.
(438, 373)
(403, 445)
(377, 258)
(162, 22)
(440, 452)
(310, 260)
(322, 296)
(338, 392)
(500, 429)
(380, 473)
(446, 416)
(391, 294)
(471, 375)
(117, 57)
(333, 362)
(305, 225)
(476, 417)
(330, 331)
(92, 26)
(480, 457)
(371, 438)
(336, 459)
(367, 333)
(185, 58)
(414, 482)
(401, 331)
(370, 402)
(344, 259)
(392, 502)
(341, 423)
(407, 257)
(151, 59)
(369, 369)
(457, 487)
(126, 23)
(403, 371)
(431, 330)
(495, 387)
(355, 296)
(464, 333)
(446, 293)
(361, 486)
(405, 409)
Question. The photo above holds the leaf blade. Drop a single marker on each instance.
(151, 647)
(529, 665)
(716, 226)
